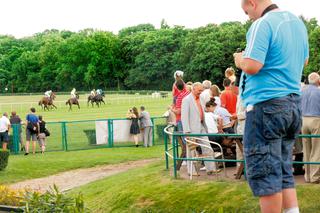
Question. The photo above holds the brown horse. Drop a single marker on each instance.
(46, 102)
(72, 101)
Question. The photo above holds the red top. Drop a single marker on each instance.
(180, 97)
(175, 91)
(229, 100)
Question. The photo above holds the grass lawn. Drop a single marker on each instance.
(152, 189)
(116, 107)
(27, 167)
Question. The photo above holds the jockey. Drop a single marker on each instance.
(48, 93)
(73, 93)
(93, 93)
(99, 91)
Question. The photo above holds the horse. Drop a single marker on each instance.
(46, 102)
(72, 101)
(95, 99)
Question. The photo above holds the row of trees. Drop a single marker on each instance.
(139, 57)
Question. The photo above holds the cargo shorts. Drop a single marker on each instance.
(270, 131)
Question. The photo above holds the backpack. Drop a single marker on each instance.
(32, 127)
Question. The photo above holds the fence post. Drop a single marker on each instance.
(64, 136)
(152, 120)
(110, 134)
(174, 142)
(112, 139)
(166, 148)
(16, 138)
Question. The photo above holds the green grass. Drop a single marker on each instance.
(152, 189)
(34, 166)
(116, 107)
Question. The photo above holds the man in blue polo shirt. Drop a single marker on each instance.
(275, 54)
(32, 130)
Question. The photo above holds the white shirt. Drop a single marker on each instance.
(222, 112)
(4, 124)
(211, 122)
(205, 96)
(217, 100)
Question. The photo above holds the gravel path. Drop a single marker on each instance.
(74, 178)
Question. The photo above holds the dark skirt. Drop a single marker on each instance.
(134, 128)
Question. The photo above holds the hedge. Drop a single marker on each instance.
(4, 156)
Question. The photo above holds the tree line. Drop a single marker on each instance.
(138, 57)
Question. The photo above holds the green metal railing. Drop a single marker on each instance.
(175, 149)
(79, 135)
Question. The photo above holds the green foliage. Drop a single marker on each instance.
(53, 201)
(4, 156)
(139, 57)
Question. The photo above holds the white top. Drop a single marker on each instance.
(4, 124)
(217, 100)
(205, 96)
(211, 121)
(222, 112)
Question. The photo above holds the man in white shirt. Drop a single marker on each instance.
(4, 130)
(206, 94)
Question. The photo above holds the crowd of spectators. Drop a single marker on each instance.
(203, 108)
(34, 127)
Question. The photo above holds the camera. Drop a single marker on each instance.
(238, 71)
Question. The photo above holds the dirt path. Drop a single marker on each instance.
(74, 178)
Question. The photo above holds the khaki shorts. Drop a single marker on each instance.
(42, 139)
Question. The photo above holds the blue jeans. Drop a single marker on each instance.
(270, 131)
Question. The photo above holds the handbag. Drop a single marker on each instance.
(46, 132)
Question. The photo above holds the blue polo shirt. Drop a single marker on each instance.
(32, 118)
(279, 41)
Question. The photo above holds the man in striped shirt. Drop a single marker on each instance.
(183, 92)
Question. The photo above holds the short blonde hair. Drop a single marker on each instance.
(229, 72)
(215, 90)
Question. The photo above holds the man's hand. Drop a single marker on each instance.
(237, 59)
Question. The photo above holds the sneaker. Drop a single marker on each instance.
(27, 153)
(203, 169)
(214, 172)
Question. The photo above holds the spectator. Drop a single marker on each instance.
(146, 125)
(170, 120)
(177, 110)
(206, 94)
(311, 125)
(230, 74)
(272, 63)
(193, 121)
(42, 134)
(178, 75)
(4, 130)
(16, 120)
(241, 119)
(133, 115)
(215, 93)
(213, 121)
(228, 97)
(32, 130)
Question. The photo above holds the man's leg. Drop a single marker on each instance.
(315, 151)
(306, 145)
(4, 145)
(144, 136)
(271, 203)
(150, 136)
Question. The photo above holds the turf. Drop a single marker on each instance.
(152, 189)
(33, 166)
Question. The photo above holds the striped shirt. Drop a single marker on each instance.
(180, 97)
